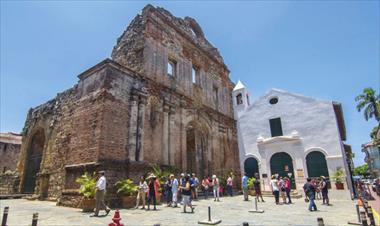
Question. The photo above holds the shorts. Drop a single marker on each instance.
(186, 199)
(258, 191)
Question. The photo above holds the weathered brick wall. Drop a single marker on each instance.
(182, 40)
(9, 183)
(113, 111)
(9, 154)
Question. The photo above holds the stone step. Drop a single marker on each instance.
(294, 194)
(13, 196)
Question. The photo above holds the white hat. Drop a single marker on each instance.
(182, 174)
(214, 176)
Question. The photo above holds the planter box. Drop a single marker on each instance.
(251, 192)
(129, 201)
(339, 186)
(87, 205)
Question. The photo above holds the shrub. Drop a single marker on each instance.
(126, 187)
(87, 185)
(251, 180)
(338, 176)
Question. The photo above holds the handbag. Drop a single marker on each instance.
(306, 199)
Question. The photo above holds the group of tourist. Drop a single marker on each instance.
(313, 187)
(281, 186)
(185, 187)
(256, 186)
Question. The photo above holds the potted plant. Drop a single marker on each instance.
(338, 178)
(128, 189)
(88, 190)
(251, 190)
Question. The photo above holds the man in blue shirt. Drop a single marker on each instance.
(244, 184)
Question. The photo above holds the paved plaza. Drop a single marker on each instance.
(232, 211)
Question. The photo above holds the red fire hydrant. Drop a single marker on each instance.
(116, 219)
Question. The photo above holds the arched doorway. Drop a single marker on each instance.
(196, 149)
(251, 167)
(190, 150)
(282, 164)
(316, 164)
(33, 161)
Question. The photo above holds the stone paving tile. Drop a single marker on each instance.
(232, 211)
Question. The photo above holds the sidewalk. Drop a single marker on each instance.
(375, 204)
(232, 211)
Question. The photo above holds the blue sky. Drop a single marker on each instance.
(328, 50)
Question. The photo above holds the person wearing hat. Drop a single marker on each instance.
(99, 197)
(153, 187)
(324, 189)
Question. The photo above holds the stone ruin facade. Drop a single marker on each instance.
(164, 98)
(10, 144)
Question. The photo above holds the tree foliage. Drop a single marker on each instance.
(361, 170)
(370, 103)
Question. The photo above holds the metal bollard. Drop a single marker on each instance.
(256, 203)
(358, 212)
(5, 216)
(209, 221)
(365, 205)
(320, 221)
(245, 224)
(35, 219)
(370, 216)
(209, 213)
(364, 218)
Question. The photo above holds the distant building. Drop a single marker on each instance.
(372, 158)
(287, 134)
(10, 144)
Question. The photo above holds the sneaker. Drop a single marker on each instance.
(108, 211)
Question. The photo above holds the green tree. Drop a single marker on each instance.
(370, 102)
(361, 170)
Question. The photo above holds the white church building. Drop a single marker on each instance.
(292, 135)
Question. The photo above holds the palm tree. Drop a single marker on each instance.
(370, 102)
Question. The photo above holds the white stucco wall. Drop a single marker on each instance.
(313, 119)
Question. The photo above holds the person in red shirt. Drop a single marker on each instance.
(288, 188)
(153, 187)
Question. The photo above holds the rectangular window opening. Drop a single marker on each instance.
(171, 68)
(216, 97)
(275, 127)
(194, 74)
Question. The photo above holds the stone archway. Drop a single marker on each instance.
(33, 161)
(251, 166)
(282, 164)
(197, 149)
(316, 164)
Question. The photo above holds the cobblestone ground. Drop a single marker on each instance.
(232, 211)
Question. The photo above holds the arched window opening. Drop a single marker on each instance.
(239, 99)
